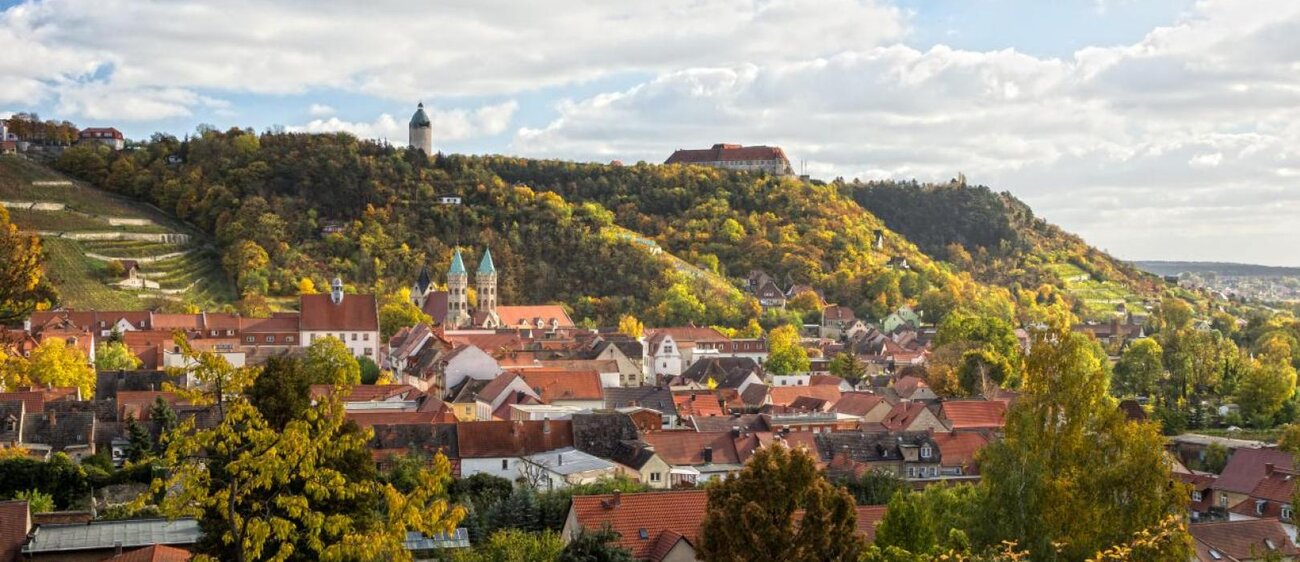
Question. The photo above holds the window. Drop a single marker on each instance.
(1223, 500)
(370, 351)
(1259, 506)
(270, 339)
(288, 339)
(911, 472)
(1196, 495)
(505, 464)
(248, 339)
(925, 452)
(365, 337)
(655, 477)
(354, 337)
(1286, 512)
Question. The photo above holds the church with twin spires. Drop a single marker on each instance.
(452, 308)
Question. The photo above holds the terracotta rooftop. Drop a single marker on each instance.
(560, 384)
(697, 404)
(492, 439)
(869, 516)
(725, 153)
(974, 414)
(959, 448)
(154, 553)
(15, 521)
(357, 313)
(687, 448)
(648, 514)
(857, 403)
(1246, 467)
(1240, 539)
(786, 395)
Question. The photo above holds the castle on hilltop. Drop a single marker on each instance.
(451, 307)
(421, 131)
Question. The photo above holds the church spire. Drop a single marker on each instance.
(486, 265)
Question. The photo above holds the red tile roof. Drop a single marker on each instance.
(698, 404)
(869, 516)
(15, 521)
(138, 403)
(154, 553)
(686, 448)
(1238, 538)
(264, 325)
(493, 439)
(900, 418)
(33, 400)
(959, 448)
(688, 334)
(357, 313)
(786, 395)
(725, 153)
(909, 384)
(512, 316)
(679, 512)
(371, 419)
(1245, 468)
(560, 384)
(369, 392)
(857, 403)
(974, 414)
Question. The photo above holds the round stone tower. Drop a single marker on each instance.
(421, 131)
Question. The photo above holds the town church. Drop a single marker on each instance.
(452, 308)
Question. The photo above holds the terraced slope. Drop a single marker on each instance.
(84, 230)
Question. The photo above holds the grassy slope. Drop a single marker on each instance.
(82, 281)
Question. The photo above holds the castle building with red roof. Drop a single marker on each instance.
(769, 159)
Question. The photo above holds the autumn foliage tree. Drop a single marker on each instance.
(22, 280)
(779, 508)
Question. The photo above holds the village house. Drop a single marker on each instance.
(106, 136)
(912, 455)
(836, 321)
(973, 414)
(864, 406)
(695, 457)
(913, 416)
(499, 448)
(354, 319)
(653, 526)
(1245, 470)
(616, 437)
(1241, 541)
(657, 398)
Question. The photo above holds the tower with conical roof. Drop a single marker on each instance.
(457, 297)
(485, 280)
(421, 131)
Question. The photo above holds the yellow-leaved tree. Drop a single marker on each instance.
(56, 364)
(630, 326)
(306, 489)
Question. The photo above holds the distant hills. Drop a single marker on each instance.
(1222, 268)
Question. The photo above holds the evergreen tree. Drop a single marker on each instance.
(595, 546)
(140, 442)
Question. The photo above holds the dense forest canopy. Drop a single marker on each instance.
(285, 206)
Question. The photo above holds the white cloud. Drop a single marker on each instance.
(320, 110)
(406, 49)
(1179, 137)
(448, 125)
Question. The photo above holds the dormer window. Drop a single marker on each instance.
(925, 451)
(1196, 495)
(1286, 513)
(1259, 506)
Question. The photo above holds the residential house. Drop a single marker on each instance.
(107, 136)
(786, 395)
(958, 449)
(1191, 447)
(354, 319)
(696, 404)
(973, 414)
(653, 526)
(723, 372)
(903, 318)
(560, 387)
(770, 297)
(615, 437)
(1241, 541)
(913, 388)
(912, 455)
(695, 457)
(1245, 470)
(1201, 501)
(657, 398)
(15, 521)
(498, 447)
(487, 399)
(628, 354)
(561, 468)
(836, 321)
(1270, 498)
(865, 406)
(913, 416)
(670, 351)
(397, 440)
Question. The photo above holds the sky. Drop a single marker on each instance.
(1156, 129)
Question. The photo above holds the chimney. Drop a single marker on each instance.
(52, 418)
(735, 431)
(617, 500)
(1268, 468)
(708, 455)
(559, 459)
(546, 424)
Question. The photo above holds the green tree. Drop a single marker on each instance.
(328, 361)
(1140, 368)
(140, 442)
(679, 306)
(369, 370)
(113, 356)
(56, 364)
(513, 545)
(907, 525)
(595, 546)
(751, 516)
(37, 501)
(1071, 475)
(875, 487)
(786, 353)
(22, 279)
(397, 311)
(1175, 313)
(282, 392)
(306, 491)
(1267, 384)
(846, 365)
(1216, 457)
